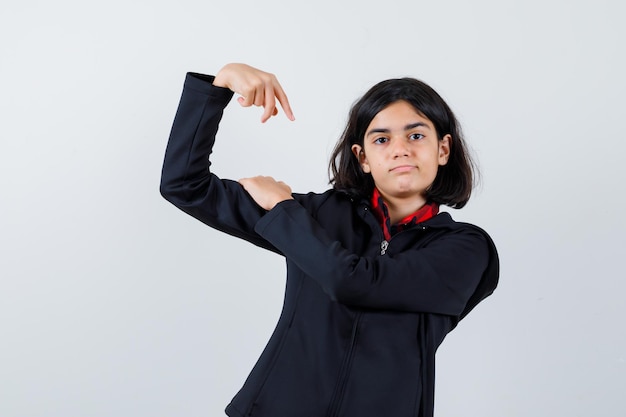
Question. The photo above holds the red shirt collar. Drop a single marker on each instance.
(379, 207)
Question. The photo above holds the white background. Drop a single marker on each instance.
(114, 303)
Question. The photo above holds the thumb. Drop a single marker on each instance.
(244, 102)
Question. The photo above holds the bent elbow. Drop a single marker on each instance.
(176, 194)
(166, 191)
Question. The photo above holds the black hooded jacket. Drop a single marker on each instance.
(359, 327)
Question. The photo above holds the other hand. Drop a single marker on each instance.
(266, 191)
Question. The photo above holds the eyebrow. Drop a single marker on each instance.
(407, 127)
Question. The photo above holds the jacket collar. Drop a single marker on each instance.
(381, 211)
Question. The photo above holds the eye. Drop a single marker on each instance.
(416, 136)
(381, 140)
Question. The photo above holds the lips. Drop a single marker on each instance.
(403, 168)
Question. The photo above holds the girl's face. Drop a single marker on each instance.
(402, 152)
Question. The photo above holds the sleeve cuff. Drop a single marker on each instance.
(204, 84)
(280, 208)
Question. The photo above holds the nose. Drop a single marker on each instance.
(399, 148)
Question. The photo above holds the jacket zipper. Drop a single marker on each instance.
(337, 398)
(384, 245)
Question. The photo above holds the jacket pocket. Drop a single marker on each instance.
(385, 377)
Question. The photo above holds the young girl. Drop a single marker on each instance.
(376, 276)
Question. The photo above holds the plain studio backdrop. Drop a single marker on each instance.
(115, 303)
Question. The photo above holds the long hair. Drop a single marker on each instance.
(454, 181)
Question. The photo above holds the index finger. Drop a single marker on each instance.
(284, 102)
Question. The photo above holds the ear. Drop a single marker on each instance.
(357, 150)
(444, 149)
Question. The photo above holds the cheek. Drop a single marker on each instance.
(377, 167)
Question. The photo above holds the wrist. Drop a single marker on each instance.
(218, 80)
(280, 200)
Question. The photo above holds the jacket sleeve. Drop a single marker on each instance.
(439, 278)
(186, 180)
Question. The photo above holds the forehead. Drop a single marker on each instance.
(399, 114)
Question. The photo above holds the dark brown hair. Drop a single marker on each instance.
(454, 181)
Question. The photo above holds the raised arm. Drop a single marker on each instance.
(186, 179)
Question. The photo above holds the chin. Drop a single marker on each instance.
(408, 193)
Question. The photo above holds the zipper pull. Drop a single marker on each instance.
(383, 247)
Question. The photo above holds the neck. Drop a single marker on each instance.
(399, 208)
